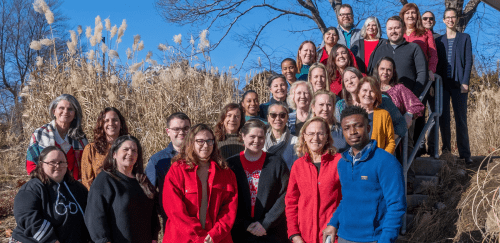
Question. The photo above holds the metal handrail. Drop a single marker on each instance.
(433, 120)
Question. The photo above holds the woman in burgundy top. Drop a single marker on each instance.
(330, 38)
(340, 58)
(363, 48)
(408, 104)
(416, 33)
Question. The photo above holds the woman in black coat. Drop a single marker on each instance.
(262, 184)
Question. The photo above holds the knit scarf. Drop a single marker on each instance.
(277, 146)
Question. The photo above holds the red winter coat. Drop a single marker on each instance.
(181, 202)
(312, 199)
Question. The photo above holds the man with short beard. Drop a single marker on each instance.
(373, 192)
(347, 33)
(411, 65)
(178, 125)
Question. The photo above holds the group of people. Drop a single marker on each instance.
(272, 172)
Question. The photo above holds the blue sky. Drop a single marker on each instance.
(143, 19)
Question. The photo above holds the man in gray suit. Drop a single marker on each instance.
(347, 33)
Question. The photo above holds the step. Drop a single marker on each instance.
(427, 166)
(414, 200)
(418, 187)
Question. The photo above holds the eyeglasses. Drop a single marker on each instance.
(345, 14)
(201, 142)
(450, 17)
(428, 18)
(178, 129)
(61, 164)
(282, 115)
(319, 134)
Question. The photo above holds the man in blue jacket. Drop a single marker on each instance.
(373, 195)
(454, 66)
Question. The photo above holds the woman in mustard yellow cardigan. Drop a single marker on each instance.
(369, 97)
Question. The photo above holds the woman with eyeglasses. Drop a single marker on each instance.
(279, 140)
(51, 206)
(262, 181)
(250, 105)
(121, 206)
(314, 190)
(299, 101)
(201, 192)
(227, 128)
(64, 131)
(110, 125)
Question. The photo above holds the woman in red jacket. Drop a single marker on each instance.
(201, 191)
(313, 188)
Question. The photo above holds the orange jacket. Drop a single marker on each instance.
(312, 199)
(383, 130)
(182, 200)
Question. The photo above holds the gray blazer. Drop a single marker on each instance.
(356, 35)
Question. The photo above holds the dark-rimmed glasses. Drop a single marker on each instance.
(179, 129)
(61, 164)
(201, 142)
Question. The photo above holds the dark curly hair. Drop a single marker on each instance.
(100, 140)
(188, 156)
(219, 129)
(354, 110)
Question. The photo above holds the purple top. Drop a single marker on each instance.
(405, 100)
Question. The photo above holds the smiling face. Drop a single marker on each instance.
(372, 29)
(126, 155)
(366, 95)
(289, 70)
(410, 17)
(428, 20)
(315, 136)
(345, 18)
(307, 53)
(385, 71)
(323, 107)
(112, 125)
(356, 131)
(232, 121)
(280, 115)
(302, 97)
(341, 58)
(450, 19)
(64, 112)
(278, 89)
(394, 31)
(330, 38)
(254, 140)
(204, 150)
(57, 172)
(251, 104)
(177, 131)
(351, 81)
(318, 79)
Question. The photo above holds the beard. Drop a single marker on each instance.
(347, 26)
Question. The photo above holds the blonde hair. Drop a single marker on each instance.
(291, 95)
(301, 147)
(332, 97)
(319, 65)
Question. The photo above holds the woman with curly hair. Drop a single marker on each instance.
(314, 190)
(201, 191)
(227, 130)
(110, 125)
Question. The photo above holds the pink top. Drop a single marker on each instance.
(405, 100)
(426, 42)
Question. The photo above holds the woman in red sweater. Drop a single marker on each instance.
(340, 58)
(416, 33)
(363, 48)
(201, 191)
(313, 191)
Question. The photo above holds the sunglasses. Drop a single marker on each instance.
(282, 115)
(428, 18)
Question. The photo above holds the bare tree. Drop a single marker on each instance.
(19, 26)
(225, 15)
